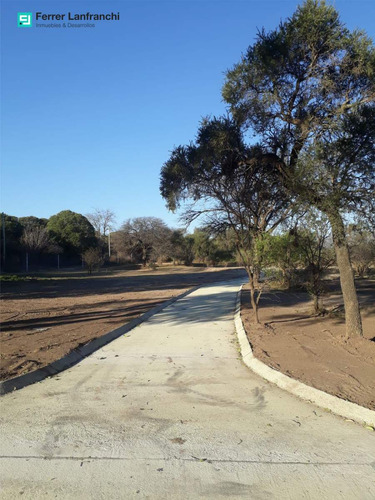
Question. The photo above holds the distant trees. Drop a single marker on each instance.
(102, 220)
(93, 259)
(282, 251)
(35, 239)
(10, 234)
(362, 249)
(182, 247)
(72, 231)
(146, 238)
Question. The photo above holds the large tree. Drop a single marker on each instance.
(72, 231)
(146, 238)
(307, 89)
(232, 186)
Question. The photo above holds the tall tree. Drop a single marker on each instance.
(307, 89)
(239, 189)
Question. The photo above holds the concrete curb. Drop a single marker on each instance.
(80, 353)
(336, 405)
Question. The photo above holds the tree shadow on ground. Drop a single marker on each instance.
(104, 285)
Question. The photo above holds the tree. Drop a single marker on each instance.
(32, 221)
(204, 246)
(362, 249)
(282, 250)
(182, 247)
(93, 258)
(35, 239)
(146, 238)
(307, 89)
(72, 231)
(239, 189)
(103, 221)
(10, 234)
(316, 256)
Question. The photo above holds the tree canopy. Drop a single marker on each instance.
(148, 237)
(72, 231)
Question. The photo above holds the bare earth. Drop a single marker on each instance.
(314, 349)
(44, 319)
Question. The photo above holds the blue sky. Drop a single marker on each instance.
(90, 115)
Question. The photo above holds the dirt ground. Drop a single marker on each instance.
(45, 318)
(314, 349)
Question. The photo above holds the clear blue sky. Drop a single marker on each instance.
(90, 115)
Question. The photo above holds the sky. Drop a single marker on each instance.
(89, 115)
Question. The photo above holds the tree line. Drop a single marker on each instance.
(294, 257)
(299, 137)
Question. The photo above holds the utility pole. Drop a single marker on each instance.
(4, 246)
(109, 244)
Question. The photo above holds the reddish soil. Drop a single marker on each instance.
(314, 350)
(46, 318)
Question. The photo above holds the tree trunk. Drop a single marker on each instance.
(316, 304)
(353, 320)
(253, 301)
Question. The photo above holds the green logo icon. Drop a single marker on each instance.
(24, 19)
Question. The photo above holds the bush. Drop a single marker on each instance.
(93, 259)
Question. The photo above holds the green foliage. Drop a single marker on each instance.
(182, 247)
(362, 249)
(72, 231)
(13, 229)
(203, 245)
(281, 251)
(299, 78)
(32, 221)
(308, 89)
(14, 277)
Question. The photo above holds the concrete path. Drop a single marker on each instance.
(170, 412)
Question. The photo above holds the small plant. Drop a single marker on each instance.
(14, 277)
(93, 259)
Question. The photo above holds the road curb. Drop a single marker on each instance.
(320, 398)
(80, 353)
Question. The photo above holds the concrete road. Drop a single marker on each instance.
(170, 412)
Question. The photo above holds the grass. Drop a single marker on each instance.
(14, 277)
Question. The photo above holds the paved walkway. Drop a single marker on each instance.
(170, 412)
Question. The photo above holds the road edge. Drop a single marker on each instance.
(78, 354)
(346, 409)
